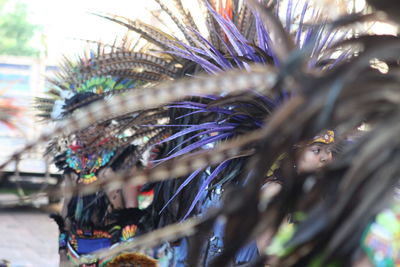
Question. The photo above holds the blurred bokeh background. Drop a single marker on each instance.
(34, 36)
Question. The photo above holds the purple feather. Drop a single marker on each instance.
(205, 184)
(191, 103)
(220, 129)
(207, 125)
(238, 62)
(191, 113)
(185, 183)
(214, 53)
(289, 15)
(301, 22)
(196, 145)
(206, 65)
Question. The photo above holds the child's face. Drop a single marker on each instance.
(313, 157)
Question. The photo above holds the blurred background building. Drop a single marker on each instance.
(34, 38)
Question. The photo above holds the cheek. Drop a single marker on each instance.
(308, 162)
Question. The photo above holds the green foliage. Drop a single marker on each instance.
(16, 32)
(319, 262)
(284, 234)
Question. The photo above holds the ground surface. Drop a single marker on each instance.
(28, 238)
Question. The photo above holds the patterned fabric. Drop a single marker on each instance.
(87, 259)
(327, 137)
(88, 165)
(62, 240)
(381, 241)
(128, 232)
(82, 242)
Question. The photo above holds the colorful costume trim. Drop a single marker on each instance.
(381, 241)
(62, 240)
(87, 165)
(128, 232)
(136, 259)
(83, 242)
(327, 137)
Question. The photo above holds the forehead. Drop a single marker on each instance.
(320, 145)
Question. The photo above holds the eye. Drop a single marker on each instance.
(316, 150)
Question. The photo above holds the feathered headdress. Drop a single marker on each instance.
(96, 77)
(239, 35)
(319, 91)
(113, 142)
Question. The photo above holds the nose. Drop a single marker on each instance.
(325, 157)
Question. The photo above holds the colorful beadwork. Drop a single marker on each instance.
(73, 242)
(88, 178)
(92, 234)
(381, 240)
(62, 240)
(327, 137)
(128, 232)
(88, 165)
(101, 234)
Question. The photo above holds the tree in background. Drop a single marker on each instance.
(16, 32)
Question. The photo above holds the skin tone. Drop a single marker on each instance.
(310, 158)
(313, 157)
(124, 197)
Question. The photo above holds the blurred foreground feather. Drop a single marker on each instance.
(336, 203)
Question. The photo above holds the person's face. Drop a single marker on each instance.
(313, 157)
